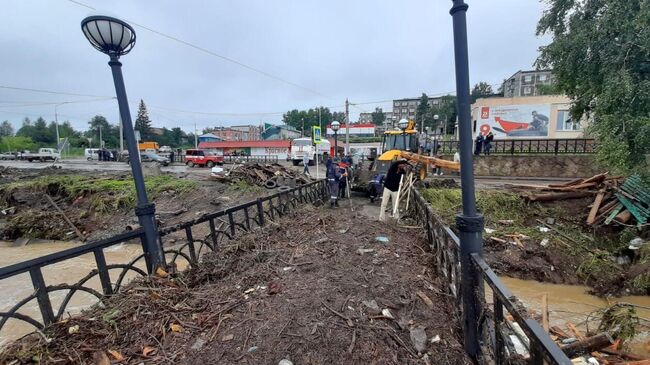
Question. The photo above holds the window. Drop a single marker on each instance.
(404, 103)
(528, 79)
(565, 123)
(527, 90)
(543, 78)
(404, 111)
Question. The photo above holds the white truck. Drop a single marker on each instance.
(302, 146)
(44, 154)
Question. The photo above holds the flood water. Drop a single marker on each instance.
(566, 302)
(573, 303)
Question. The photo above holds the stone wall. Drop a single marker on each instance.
(566, 166)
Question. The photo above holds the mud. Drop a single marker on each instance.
(298, 290)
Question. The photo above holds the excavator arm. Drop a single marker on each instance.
(428, 160)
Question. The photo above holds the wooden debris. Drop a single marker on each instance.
(587, 345)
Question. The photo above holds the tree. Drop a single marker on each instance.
(177, 137)
(16, 144)
(37, 132)
(445, 109)
(310, 117)
(423, 114)
(6, 129)
(599, 56)
(142, 122)
(482, 89)
(378, 116)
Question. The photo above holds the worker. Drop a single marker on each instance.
(333, 176)
(487, 144)
(391, 186)
(305, 162)
(479, 144)
(171, 157)
(343, 181)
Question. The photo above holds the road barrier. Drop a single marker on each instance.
(223, 225)
(496, 346)
(556, 146)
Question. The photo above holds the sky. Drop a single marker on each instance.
(261, 58)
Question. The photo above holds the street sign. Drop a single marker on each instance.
(315, 135)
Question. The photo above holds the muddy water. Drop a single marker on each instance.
(69, 271)
(572, 303)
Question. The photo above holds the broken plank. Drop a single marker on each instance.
(65, 217)
(557, 196)
(572, 182)
(594, 209)
(597, 178)
(575, 187)
(588, 345)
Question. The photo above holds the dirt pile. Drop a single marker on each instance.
(318, 287)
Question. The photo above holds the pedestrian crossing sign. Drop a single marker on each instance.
(315, 135)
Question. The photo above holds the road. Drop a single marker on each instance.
(202, 172)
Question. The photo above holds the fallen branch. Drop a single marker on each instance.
(588, 345)
(65, 217)
(348, 320)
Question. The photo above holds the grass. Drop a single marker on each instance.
(105, 193)
(241, 186)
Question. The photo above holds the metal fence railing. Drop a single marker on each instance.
(496, 345)
(221, 226)
(557, 146)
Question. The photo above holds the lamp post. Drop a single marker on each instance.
(116, 38)
(335, 127)
(469, 222)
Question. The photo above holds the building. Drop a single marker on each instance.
(406, 108)
(209, 137)
(528, 117)
(279, 148)
(274, 132)
(526, 83)
(238, 133)
(356, 130)
(251, 132)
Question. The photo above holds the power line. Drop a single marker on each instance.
(30, 104)
(214, 54)
(51, 92)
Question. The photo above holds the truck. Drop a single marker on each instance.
(44, 154)
(302, 146)
(194, 157)
(148, 146)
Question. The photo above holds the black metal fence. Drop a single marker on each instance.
(558, 146)
(496, 344)
(203, 234)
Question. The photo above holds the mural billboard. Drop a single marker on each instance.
(512, 121)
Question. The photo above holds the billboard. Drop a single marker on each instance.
(512, 121)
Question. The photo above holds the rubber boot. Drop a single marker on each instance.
(336, 203)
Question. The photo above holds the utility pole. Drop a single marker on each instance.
(121, 136)
(347, 127)
(196, 137)
(101, 142)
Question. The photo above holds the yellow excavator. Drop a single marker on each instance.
(398, 144)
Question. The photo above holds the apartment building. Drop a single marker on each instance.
(526, 83)
(406, 108)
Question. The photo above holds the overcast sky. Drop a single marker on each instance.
(365, 50)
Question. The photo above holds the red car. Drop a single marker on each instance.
(202, 158)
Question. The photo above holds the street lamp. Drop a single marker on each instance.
(469, 222)
(116, 38)
(335, 127)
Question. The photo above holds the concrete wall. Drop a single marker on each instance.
(574, 166)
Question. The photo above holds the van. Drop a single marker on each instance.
(91, 154)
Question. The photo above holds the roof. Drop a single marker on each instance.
(276, 143)
(209, 135)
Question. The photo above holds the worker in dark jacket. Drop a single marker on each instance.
(391, 186)
(478, 147)
(333, 176)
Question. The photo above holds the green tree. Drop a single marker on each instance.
(17, 143)
(310, 117)
(423, 115)
(599, 57)
(110, 133)
(445, 109)
(6, 129)
(143, 123)
(480, 90)
(37, 131)
(177, 137)
(378, 116)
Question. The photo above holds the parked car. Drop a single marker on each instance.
(91, 153)
(195, 157)
(8, 156)
(165, 149)
(44, 154)
(151, 157)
